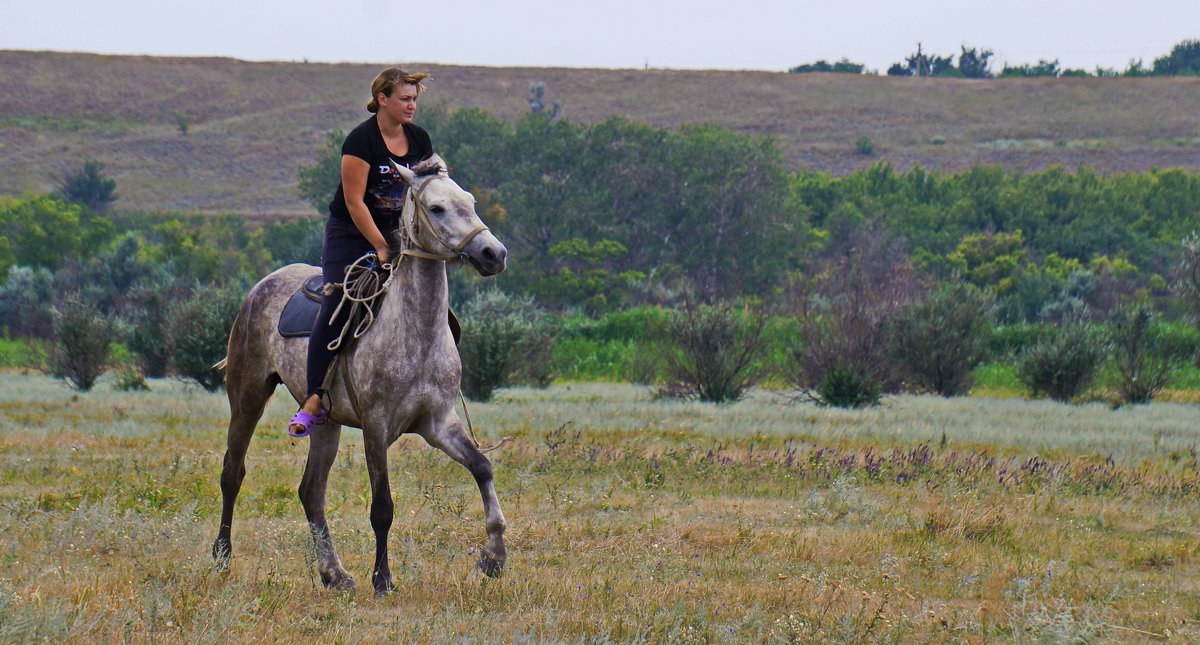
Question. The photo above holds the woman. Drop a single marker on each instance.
(365, 208)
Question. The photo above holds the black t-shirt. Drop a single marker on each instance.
(385, 191)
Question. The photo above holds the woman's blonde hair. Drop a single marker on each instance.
(387, 81)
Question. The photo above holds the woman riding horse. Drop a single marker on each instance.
(368, 201)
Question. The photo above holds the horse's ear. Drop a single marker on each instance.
(406, 175)
(436, 161)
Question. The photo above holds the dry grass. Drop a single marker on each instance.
(635, 521)
(252, 124)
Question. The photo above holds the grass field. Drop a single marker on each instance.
(925, 520)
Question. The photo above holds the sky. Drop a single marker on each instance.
(674, 34)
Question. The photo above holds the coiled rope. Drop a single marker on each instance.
(366, 280)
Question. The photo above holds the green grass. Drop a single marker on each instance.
(924, 520)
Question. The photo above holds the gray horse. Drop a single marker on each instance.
(403, 375)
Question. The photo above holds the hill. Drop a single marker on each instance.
(250, 125)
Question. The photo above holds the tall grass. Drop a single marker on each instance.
(926, 520)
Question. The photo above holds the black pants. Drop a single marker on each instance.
(343, 245)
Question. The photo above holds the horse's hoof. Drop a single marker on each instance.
(338, 581)
(221, 553)
(491, 564)
(383, 585)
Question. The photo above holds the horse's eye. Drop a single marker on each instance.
(437, 210)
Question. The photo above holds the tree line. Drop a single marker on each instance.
(975, 62)
(613, 216)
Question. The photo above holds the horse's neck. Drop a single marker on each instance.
(418, 292)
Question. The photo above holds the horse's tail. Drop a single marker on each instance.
(221, 364)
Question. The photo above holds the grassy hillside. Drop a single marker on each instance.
(250, 125)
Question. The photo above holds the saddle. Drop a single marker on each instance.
(300, 313)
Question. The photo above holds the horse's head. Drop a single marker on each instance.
(440, 222)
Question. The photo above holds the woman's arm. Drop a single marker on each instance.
(354, 186)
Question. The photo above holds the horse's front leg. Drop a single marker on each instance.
(450, 437)
(382, 508)
(322, 449)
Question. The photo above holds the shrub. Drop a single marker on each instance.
(864, 146)
(712, 352)
(198, 333)
(938, 341)
(505, 340)
(1143, 353)
(80, 352)
(1063, 364)
(89, 186)
(24, 301)
(847, 386)
(844, 309)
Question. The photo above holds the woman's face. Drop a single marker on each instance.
(401, 105)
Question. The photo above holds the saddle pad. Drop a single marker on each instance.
(300, 313)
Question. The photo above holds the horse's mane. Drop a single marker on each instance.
(430, 166)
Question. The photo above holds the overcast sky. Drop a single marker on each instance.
(679, 34)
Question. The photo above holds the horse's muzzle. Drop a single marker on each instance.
(486, 254)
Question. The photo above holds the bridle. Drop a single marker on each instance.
(421, 218)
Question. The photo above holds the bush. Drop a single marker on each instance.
(89, 187)
(864, 146)
(711, 352)
(24, 302)
(198, 332)
(1143, 352)
(844, 310)
(847, 386)
(938, 341)
(80, 352)
(1063, 364)
(505, 340)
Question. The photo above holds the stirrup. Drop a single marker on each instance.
(307, 420)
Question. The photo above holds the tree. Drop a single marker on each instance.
(503, 338)
(89, 187)
(973, 63)
(1044, 67)
(319, 181)
(937, 341)
(1145, 357)
(82, 334)
(199, 333)
(844, 307)
(1062, 365)
(1184, 60)
(843, 66)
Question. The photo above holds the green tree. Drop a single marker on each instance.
(89, 187)
(319, 181)
(40, 232)
(974, 63)
(504, 337)
(1145, 356)
(939, 340)
(843, 66)
(1184, 60)
(80, 352)
(199, 333)
(1063, 364)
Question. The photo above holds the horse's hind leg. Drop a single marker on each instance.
(246, 403)
(450, 437)
(322, 449)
